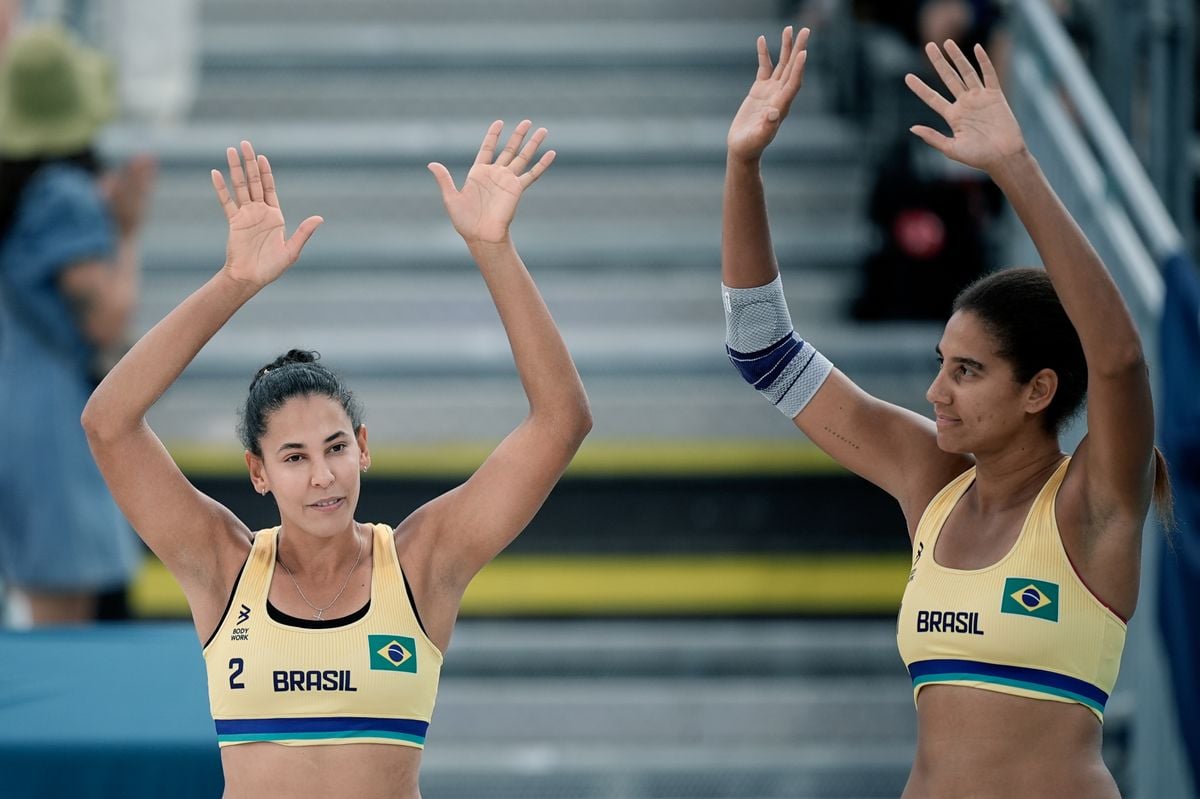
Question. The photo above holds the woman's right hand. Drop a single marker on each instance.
(763, 110)
(257, 252)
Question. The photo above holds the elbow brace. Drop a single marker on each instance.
(764, 348)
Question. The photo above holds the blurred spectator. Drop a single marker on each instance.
(68, 286)
(933, 218)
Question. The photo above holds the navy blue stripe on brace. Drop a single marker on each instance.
(757, 367)
(799, 375)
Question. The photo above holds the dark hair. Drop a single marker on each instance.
(15, 175)
(296, 374)
(1022, 312)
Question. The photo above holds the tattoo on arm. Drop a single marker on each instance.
(840, 437)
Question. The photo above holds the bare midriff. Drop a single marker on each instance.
(364, 771)
(983, 744)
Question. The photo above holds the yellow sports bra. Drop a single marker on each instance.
(370, 677)
(1026, 625)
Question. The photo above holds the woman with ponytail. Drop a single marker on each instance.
(1025, 559)
(322, 673)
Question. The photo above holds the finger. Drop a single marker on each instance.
(764, 59)
(303, 233)
(795, 78)
(785, 51)
(253, 179)
(514, 143)
(444, 180)
(539, 168)
(928, 95)
(236, 176)
(488, 148)
(227, 204)
(268, 182)
(944, 70)
(969, 76)
(528, 150)
(990, 77)
(798, 57)
(931, 137)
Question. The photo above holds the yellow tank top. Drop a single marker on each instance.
(370, 678)
(1026, 625)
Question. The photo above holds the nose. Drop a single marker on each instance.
(322, 476)
(936, 393)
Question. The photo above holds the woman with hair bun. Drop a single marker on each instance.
(322, 673)
(1025, 559)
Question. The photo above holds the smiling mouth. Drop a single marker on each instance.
(326, 504)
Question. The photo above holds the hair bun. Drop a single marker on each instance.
(288, 358)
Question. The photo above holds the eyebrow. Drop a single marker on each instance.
(971, 362)
(329, 440)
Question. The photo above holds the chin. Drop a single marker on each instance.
(949, 445)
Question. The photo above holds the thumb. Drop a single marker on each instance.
(303, 233)
(931, 137)
(444, 180)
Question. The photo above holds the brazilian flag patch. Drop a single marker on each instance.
(393, 653)
(1025, 597)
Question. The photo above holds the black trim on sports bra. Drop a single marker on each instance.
(316, 624)
(229, 602)
(412, 603)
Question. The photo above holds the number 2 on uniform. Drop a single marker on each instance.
(237, 664)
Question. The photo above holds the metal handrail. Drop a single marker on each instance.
(1142, 203)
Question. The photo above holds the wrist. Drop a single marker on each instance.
(236, 288)
(1014, 167)
(487, 247)
(742, 162)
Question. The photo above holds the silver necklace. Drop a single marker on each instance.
(317, 612)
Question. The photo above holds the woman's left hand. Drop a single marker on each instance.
(984, 131)
(482, 211)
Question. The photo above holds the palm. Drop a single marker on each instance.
(984, 131)
(767, 103)
(487, 203)
(258, 250)
(484, 209)
(758, 119)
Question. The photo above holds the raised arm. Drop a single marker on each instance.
(892, 447)
(192, 534)
(1116, 458)
(458, 533)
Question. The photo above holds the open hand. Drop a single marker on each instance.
(984, 131)
(484, 209)
(257, 251)
(763, 110)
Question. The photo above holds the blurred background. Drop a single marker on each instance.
(705, 606)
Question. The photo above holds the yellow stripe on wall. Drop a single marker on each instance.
(601, 458)
(552, 585)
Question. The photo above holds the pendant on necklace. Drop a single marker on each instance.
(317, 615)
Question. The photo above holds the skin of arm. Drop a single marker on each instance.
(1115, 461)
(194, 536)
(457, 534)
(891, 447)
(104, 295)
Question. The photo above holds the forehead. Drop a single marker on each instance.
(966, 335)
(305, 419)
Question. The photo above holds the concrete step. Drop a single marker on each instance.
(416, 139)
(474, 13)
(680, 711)
(555, 770)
